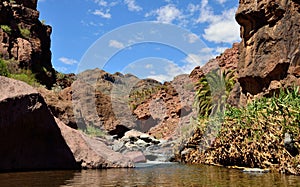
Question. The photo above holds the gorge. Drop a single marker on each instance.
(84, 121)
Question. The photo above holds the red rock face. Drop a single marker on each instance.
(26, 41)
(172, 107)
(269, 51)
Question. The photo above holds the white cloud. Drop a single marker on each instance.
(221, 1)
(192, 8)
(199, 59)
(149, 66)
(222, 27)
(193, 59)
(228, 34)
(132, 6)
(220, 50)
(116, 44)
(166, 72)
(62, 69)
(103, 14)
(161, 78)
(68, 61)
(192, 38)
(101, 2)
(166, 14)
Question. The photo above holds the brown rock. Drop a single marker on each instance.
(60, 104)
(92, 153)
(28, 41)
(270, 43)
(29, 136)
(136, 156)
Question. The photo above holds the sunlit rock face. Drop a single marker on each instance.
(269, 51)
(25, 41)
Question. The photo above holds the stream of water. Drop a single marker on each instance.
(171, 174)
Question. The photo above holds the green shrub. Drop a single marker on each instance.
(25, 32)
(94, 131)
(3, 68)
(6, 28)
(43, 22)
(27, 77)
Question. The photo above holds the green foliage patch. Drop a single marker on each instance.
(6, 28)
(3, 68)
(94, 131)
(25, 32)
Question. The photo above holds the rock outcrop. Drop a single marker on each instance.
(269, 51)
(102, 99)
(91, 153)
(25, 41)
(32, 139)
(171, 108)
(60, 104)
(29, 136)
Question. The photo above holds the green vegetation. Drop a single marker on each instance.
(252, 136)
(25, 32)
(6, 28)
(94, 131)
(3, 68)
(27, 76)
(138, 96)
(21, 74)
(213, 91)
(279, 113)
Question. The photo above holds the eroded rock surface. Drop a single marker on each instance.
(269, 51)
(25, 41)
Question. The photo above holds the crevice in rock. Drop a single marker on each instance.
(255, 85)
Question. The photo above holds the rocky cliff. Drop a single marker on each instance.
(171, 108)
(269, 51)
(25, 41)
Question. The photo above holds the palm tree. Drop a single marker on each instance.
(213, 91)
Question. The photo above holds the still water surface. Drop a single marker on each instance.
(156, 175)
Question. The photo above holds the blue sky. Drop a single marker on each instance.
(158, 39)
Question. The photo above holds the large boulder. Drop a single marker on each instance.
(269, 51)
(90, 152)
(29, 136)
(32, 139)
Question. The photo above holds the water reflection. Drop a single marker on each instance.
(158, 175)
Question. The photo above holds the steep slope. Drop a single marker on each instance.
(169, 110)
(25, 41)
(269, 51)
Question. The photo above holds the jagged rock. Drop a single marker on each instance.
(29, 136)
(270, 44)
(60, 105)
(172, 106)
(119, 131)
(26, 40)
(132, 133)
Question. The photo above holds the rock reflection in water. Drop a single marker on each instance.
(149, 175)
